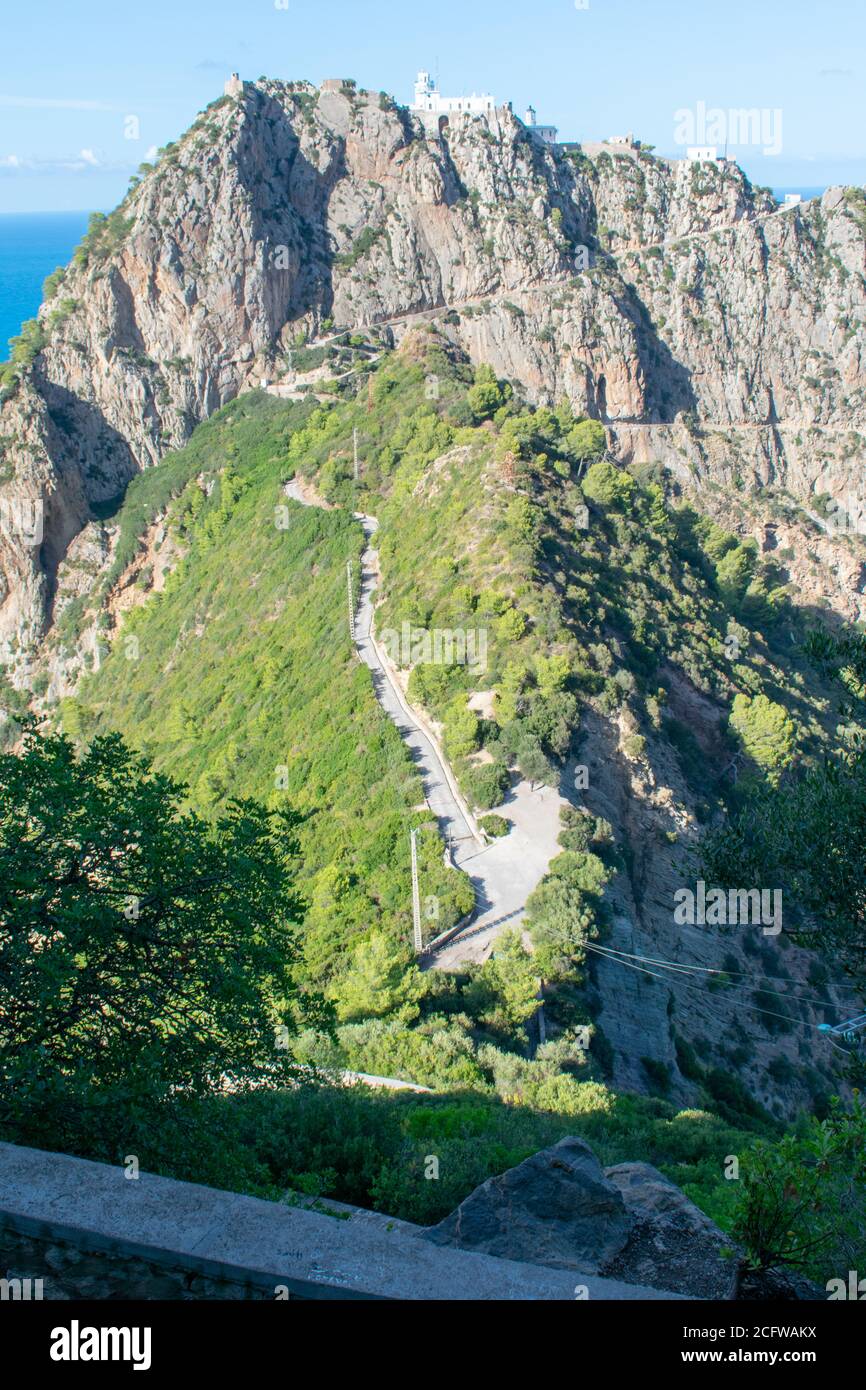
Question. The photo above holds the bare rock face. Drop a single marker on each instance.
(560, 1208)
(706, 330)
(671, 1243)
(556, 1208)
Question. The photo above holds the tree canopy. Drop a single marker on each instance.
(139, 945)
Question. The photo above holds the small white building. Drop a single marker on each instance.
(627, 140)
(792, 200)
(547, 133)
(234, 87)
(429, 101)
(702, 154)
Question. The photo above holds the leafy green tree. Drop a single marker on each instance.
(552, 672)
(608, 486)
(563, 912)
(139, 945)
(522, 521)
(534, 765)
(461, 728)
(504, 992)
(586, 440)
(486, 396)
(802, 1199)
(734, 573)
(381, 979)
(552, 721)
(765, 731)
(510, 625)
(809, 838)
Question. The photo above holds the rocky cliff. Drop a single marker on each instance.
(707, 330)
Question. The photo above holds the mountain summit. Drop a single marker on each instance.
(705, 328)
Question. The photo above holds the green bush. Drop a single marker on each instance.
(608, 486)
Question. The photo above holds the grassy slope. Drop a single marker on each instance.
(245, 667)
(246, 684)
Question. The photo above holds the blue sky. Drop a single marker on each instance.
(73, 71)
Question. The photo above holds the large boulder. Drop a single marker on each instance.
(556, 1208)
(672, 1244)
(560, 1208)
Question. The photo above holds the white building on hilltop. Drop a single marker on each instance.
(234, 87)
(428, 100)
(703, 154)
(547, 133)
(431, 106)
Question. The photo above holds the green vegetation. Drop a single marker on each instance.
(106, 233)
(576, 588)
(802, 1200)
(250, 686)
(23, 351)
(142, 951)
(364, 244)
(765, 731)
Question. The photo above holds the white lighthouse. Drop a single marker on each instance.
(547, 133)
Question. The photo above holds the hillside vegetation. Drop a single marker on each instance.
(598, 594)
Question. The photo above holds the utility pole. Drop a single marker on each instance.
(416, 898)
(355, 442)
(351, 599)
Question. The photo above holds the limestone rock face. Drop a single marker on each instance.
(629, 1222)
(706, 330)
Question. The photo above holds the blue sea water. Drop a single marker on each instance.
(803, 192)
(32, 244)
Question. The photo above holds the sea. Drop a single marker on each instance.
(805, 193)
(32, 244)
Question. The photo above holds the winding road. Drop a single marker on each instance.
(502, 873)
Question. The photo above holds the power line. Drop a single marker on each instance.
(752, 1008)
(742, 974)
(718, 936)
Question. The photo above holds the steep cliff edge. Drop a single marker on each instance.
(708, 332)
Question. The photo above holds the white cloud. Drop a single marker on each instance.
(86, 162)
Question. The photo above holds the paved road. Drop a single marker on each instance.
(454, 820)
(502, 873)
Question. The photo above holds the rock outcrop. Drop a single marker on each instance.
(707, 330)
(559, 1208)
(675, 1245)
(556, 1208)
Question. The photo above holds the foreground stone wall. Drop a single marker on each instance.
(57, 1270)
(89, 1232)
